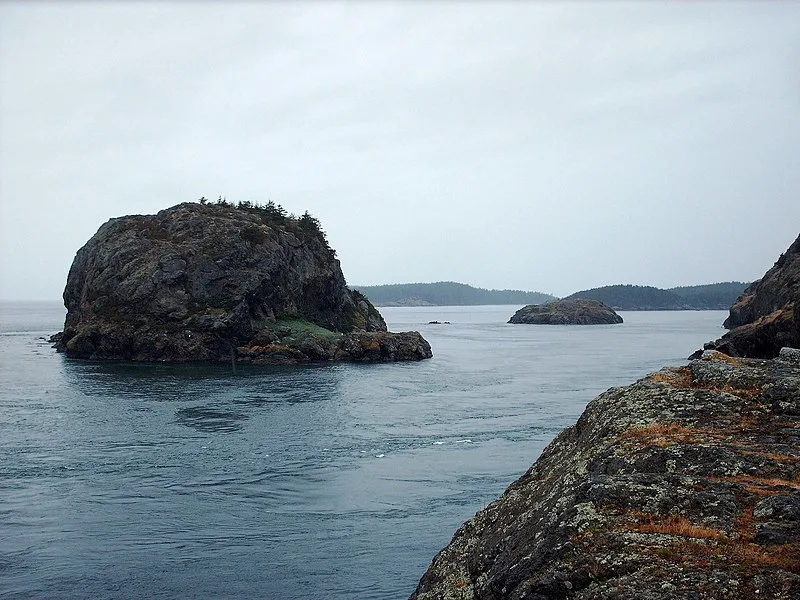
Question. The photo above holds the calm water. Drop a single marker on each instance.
(134, 481)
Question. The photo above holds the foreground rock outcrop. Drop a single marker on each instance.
(567, 312)
(217, 282)
(766, 316)
(685, 484)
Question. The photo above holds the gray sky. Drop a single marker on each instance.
(541, 146)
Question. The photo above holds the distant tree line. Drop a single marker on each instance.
(715, 296)
(447, 293)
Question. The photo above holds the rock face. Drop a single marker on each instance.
(766, 316)
(685, 484)
(567, 312)
(218, 282)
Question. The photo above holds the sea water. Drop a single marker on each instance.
(336, 481)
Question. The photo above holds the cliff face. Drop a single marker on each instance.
(567, 312)
(216, 282)
(685, 484)
(766, 316)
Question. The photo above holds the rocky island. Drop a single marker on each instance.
(567, 312)
(221, 282)
(684, 485)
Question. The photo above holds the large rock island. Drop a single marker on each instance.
(218, 282)
(567, 312)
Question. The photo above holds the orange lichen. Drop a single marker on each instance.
(680, 377)
(720, 356)
(370, 343)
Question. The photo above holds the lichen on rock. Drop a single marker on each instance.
(685, 484)
(217, 282)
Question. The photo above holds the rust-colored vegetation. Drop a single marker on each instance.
(677, 525)
(706, 546)
(762, 486)
(722, 357)
(669, 434)
(461, 583)
(680, 377)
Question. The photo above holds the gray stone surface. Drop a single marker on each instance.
(220, 283)
(566, 312)
(682, 485)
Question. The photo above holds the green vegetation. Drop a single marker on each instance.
(446, 293)
(274, 214)
(300, 328)
(715, 296)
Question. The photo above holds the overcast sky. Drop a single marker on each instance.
(533, 145)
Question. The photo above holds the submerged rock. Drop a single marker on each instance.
(217, 282)
(567, 312)
(685, 484)
(766, 317)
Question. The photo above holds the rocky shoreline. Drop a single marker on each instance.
(766, 317)
(685, 484)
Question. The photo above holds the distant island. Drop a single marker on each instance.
(714, 296)
(577, 311)
(446, 293)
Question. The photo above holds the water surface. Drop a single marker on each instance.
(337, 481)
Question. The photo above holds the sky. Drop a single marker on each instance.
(528, 145)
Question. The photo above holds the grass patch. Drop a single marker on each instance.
(301, 328)
(676, 525)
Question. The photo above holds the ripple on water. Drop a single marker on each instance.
(210, 419)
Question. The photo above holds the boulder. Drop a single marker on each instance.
(766, 317)
(217, 282)
(567, 312)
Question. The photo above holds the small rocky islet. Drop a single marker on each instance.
(221, 282)
(566, 312)
(683, 485)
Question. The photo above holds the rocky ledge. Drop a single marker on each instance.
(567, 312)
(685, 484)
(218, 282)
(766, 316)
